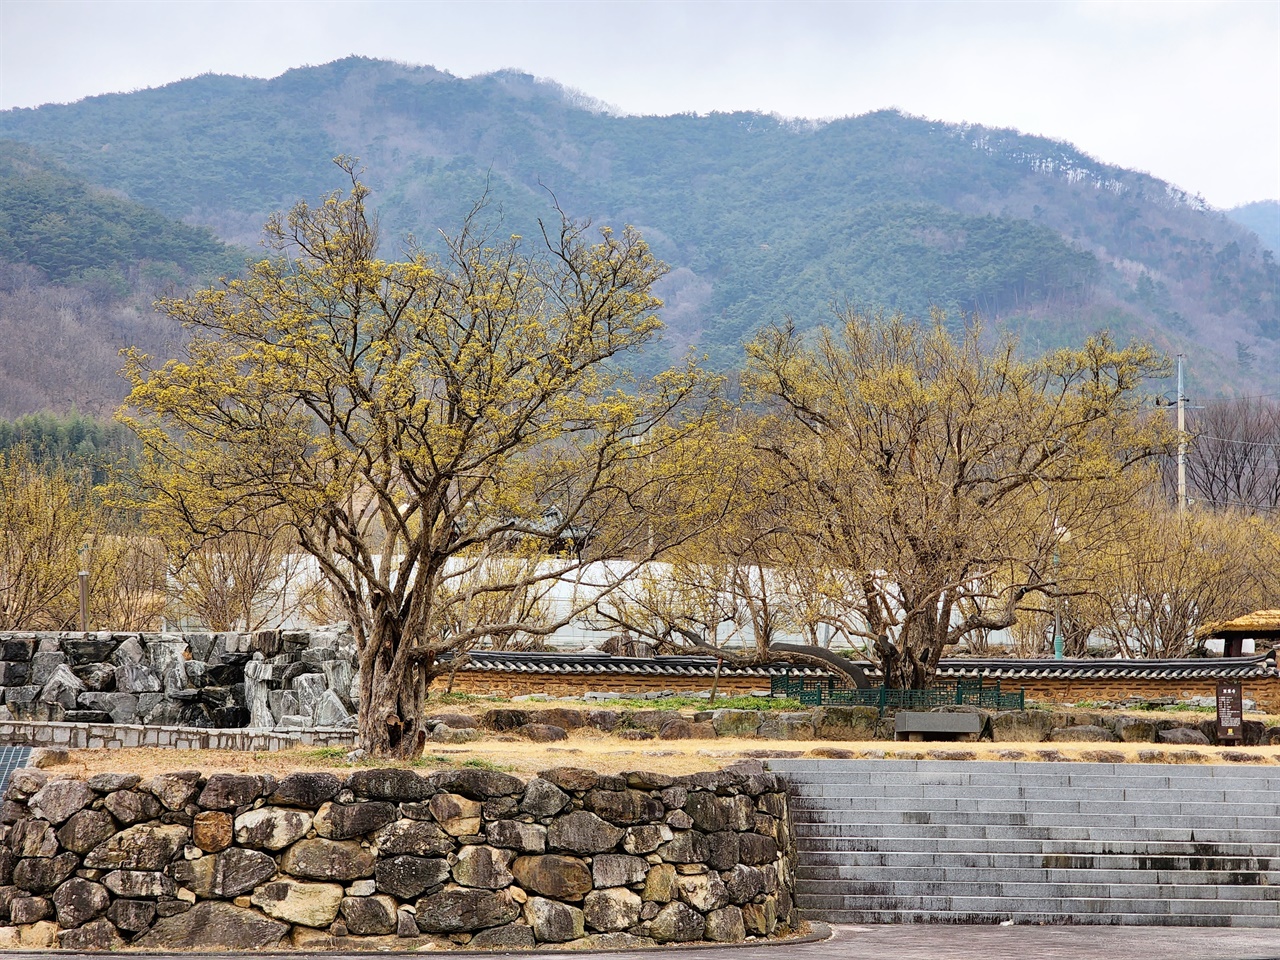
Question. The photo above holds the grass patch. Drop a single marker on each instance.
(1107, 706)
(431, 760)
(1174, 708)
(786, 704)
(479, 763)
(324, 753)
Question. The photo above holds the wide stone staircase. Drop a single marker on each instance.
(918, 841)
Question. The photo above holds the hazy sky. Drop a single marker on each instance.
(1188, 91)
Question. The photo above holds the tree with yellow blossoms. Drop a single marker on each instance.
(53, 524)
(447, 436)
(938, 481)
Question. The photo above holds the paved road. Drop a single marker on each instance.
(918, 942)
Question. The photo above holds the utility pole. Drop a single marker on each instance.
(1059, 645)
(1182, 443)
(83, 578)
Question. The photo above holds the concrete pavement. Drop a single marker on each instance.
(912, 942)
(955, 942)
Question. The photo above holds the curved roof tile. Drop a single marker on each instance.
(1263, 665)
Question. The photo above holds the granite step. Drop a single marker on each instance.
(1035, 842)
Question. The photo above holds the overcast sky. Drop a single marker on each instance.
(1187, 91)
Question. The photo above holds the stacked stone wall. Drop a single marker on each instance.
(836, 723)
(468, 856)
(269, 680)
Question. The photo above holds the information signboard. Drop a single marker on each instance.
(1230, 711)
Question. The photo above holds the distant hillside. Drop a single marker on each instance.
(73, 441)
(79, 269)
(758, 217)
(57, 222)
(1263, 218)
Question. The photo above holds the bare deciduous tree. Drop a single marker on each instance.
(1233, 460)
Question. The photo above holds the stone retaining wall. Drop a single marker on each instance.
(832, 723)
(468, 856)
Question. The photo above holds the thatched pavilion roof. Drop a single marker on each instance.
(1261, 624)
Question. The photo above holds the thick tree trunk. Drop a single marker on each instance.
(911, 663)
(392, 695)
(800, 653)
(817, 656)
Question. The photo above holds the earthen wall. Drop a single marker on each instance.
(512, 684)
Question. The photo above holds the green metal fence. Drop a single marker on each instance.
(827, 691)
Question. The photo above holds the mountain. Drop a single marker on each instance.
(759, 217)
(79, 269)
(57, 222)
(1263, 218)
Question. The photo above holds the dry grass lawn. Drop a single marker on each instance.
(588, 747)
(611, 754)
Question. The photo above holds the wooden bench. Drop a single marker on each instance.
(936, 726)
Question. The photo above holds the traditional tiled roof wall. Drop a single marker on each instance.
(596, 664)
(1260, 667)
(1055, 681)
(599, 664)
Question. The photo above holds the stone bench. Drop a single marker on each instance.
(936, 726)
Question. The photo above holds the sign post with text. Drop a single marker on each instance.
(1230, 711)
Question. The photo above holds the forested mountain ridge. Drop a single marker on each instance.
(1263, 218)
(79, 270)
(59, 223)
(759, 217)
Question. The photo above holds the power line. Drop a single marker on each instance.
(1236, 503)
(1249, 443)
(1256, 396)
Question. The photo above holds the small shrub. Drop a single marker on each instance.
(481, 764)
(432, 760)
(326, 753)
